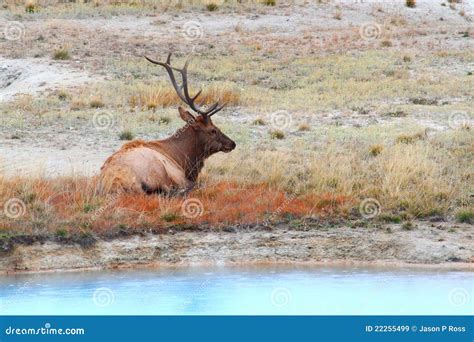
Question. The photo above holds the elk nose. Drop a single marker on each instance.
(232, 145)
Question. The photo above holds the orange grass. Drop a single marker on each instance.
(74, 205)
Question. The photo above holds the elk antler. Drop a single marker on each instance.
(183, 91)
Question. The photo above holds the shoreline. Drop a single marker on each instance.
(429, 246)
(387, 265)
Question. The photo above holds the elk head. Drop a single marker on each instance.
(206, 133)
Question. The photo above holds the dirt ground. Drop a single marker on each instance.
(430, 244)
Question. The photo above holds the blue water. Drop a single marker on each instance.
(237, 290)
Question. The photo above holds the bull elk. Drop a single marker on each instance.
(173, 164)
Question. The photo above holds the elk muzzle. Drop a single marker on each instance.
(227, 144)
(229, 147)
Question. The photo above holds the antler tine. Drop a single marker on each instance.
(214, 106)
(183, 91)
(169, 69)
(197, 95)
(217, 109)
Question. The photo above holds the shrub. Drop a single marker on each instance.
(151, 105)
(63, 95)
(169, 217)
(61, 232)
(211, 7)
(424, 102)
(410, 3)
(61, 54)
(31, 7)
(397, 114)
(386, 43)
(304, 127)
(277, 134)
(77, 104)
(258, 122)
(465, 216)
(126, 135)
(269, 2)
(164, 120)
(96, 103)
(88, 207)
(390, 218)
(375, 150)
(409, 139)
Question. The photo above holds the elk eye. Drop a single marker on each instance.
(214, 131)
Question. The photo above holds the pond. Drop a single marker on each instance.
(263, 290)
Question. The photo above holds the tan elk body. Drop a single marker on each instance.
(172, 164)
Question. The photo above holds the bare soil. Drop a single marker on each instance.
(429, 244)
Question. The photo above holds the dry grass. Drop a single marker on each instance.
(277, 134)
(96, 102)
(303, 127)
(416, 180)
(212, 6)
(269, 2)
(31, 6)
(410, 138)
(73, 205)
(422, 178)
(370, 77)
(152, 97)
(62, 53)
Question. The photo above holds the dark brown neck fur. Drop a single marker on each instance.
(187, 150)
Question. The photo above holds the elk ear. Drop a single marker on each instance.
(186, 116)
